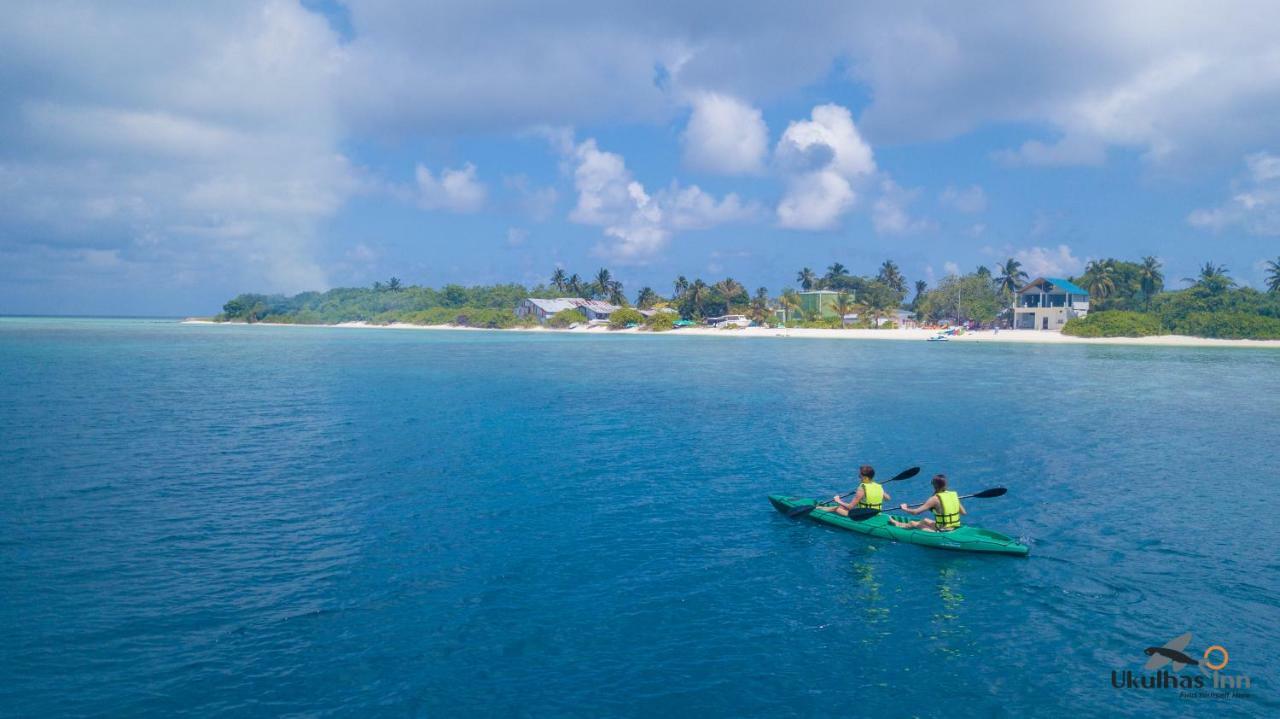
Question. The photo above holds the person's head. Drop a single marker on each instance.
(867, 472)
(939, 483)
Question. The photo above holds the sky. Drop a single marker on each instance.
(159, 158)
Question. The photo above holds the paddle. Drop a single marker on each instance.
(904, 474)
(858, 515)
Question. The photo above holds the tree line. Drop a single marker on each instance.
(1128, 299)
(981, 296)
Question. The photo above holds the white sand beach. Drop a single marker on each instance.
(916, 335)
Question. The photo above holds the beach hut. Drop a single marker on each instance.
(596, 310)
(544, 309)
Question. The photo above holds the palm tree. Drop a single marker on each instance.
(843, 306)
(559, 280)
(878, 304)
(1011, 277)
(983, 271)
(615, 294)
(647, 298)
(806, 278)
(681, 286)
(790, 301)
(574, 285)
(835, 273)
(730, 289)
(393, 284)
(1150, 278)
(1273, 276)
(696, 296)
(921, 286)
(1099, 277)
(603, 278)
(1213, 278)
(891, 276)
(760, 305)
(377, 286)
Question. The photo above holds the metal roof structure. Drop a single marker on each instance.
(1058, 284)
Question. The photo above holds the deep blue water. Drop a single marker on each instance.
(230, 521)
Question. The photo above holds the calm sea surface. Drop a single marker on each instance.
(231, 521)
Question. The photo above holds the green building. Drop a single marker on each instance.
(819, 303)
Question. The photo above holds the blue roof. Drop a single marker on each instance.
(1059, 283)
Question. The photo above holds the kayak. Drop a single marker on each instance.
(966, 538)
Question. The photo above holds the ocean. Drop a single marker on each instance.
(238, 521)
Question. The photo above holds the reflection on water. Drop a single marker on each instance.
(874, 607)
(948, 629)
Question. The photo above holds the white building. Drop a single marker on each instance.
(596, 310)
(544, 309)
(1046, 303)
(728, 320)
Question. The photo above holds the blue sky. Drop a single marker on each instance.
(157, 160)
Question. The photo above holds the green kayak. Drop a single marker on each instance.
(964, 539)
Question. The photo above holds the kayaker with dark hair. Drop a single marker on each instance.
(870, 494)
(945, 505)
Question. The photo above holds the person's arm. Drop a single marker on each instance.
(887, 496)
(962, 511)
(857, 497)
(929, 503)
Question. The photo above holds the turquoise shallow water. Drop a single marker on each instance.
(317, 522)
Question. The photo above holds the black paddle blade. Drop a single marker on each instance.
(905, 474)
(797, 511)
(858, 515)
(989, 493)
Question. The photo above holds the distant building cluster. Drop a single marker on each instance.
(1045, 303)
(594, 310)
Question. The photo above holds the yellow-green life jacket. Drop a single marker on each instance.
(947, 514)
(872, 496)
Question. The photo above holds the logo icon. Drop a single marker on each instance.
(1162, 670)
(1171, 652)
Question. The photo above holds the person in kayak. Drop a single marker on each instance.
(870, 494)
(944, 504)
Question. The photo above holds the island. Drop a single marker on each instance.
(1112, 301)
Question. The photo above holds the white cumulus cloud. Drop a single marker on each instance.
(639, 225)
(725, 135)
(1255, 204)
(1048, 261)
(455, 190)
(823, 157)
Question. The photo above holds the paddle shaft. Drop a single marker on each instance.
(904, 474)
(859, 514)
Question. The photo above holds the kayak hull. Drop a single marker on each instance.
(964, 539)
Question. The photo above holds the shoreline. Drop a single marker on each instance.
(900, 335)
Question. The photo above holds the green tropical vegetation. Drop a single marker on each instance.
(661, 322)
(1127, 299)
(962, 298)
(566, 318)
(625, 317)
(1115, 323)
(386, 302)
(1213, 306)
